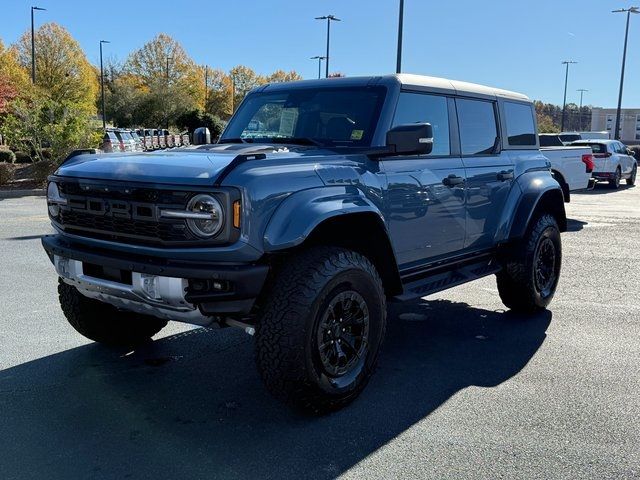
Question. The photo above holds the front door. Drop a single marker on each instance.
(425, 196)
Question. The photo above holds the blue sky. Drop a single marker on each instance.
(516, 44)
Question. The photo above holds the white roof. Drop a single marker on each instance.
(457, 86)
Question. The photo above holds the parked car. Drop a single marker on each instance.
(613, 161)
(168, 138)
(147, 140)
(127, 144)
(569, 137)
(571, 166)
(137, 141)
(153, 134)
(111, 143)
(162, 140)
(370, 189)
(185, 139)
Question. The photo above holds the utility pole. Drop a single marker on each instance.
(628, 11)
(581, 90)
(104, 116)
(320, 58)
(329, 19)
(33, 46)
(400, 25)
(166, 97)
(564, 102)
(206, 85)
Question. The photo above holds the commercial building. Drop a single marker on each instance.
(604, 119)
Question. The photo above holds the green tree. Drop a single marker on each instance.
(170, 80)
(282, 76)
(63, 72)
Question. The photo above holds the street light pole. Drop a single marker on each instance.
(581, 90)
(33, 46)
(319, 58)
(166, 97)
(400, 25)
(628, 11)
(206, 85)
(329, 19)
(564, 102)
(104, 117)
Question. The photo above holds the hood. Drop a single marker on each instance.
(188, 166)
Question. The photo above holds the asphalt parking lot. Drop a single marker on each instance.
(463, 390)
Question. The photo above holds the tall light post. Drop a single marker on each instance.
(400, 25)
(104, 116)
(206, 85)
(564, 102)
(320, 58)
(581, 90)
(628, 11)
(33, 46)
(329, 19)
(166, 97)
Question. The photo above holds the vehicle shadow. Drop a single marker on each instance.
(604, 188)
(192, 406)
(574, 225)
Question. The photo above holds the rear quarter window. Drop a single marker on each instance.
(521, 129)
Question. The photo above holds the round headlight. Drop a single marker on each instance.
(53, 199)
(210, 210)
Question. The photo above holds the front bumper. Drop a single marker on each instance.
(156, 286)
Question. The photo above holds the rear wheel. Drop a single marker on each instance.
(318, 338)
(103, 323)
(531, 272)
(632, 179)
(615, 181)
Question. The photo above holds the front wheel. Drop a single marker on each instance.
(632, 179)
(103, 323)
(319, 334)
(531, 272)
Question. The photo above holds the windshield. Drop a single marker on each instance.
(323, 116)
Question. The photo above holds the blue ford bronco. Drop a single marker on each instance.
(322, 201)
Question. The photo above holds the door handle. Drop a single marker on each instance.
(505, 175)
(452, 180)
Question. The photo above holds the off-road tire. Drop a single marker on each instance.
(614, 183)
(517, 284)
(631, 181)
(103, 323)
(287, 351)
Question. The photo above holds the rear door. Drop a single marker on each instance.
(627, 162)
(424, 201)
(489, 170)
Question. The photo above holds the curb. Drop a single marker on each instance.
(38, 192)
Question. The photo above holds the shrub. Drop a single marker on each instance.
(7, 155)
(22, 157)
(6, 174)
(42, 169)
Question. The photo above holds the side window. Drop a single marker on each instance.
(419, 107)
(478, 131)
(520, 125)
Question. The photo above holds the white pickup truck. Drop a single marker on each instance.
(570, 166)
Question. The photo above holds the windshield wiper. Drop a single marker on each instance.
(296, 141)
(235, 140)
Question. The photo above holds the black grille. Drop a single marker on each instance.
(118, 228)
(123, 213)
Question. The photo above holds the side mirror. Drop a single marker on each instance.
(201, 136)
(410, 139)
